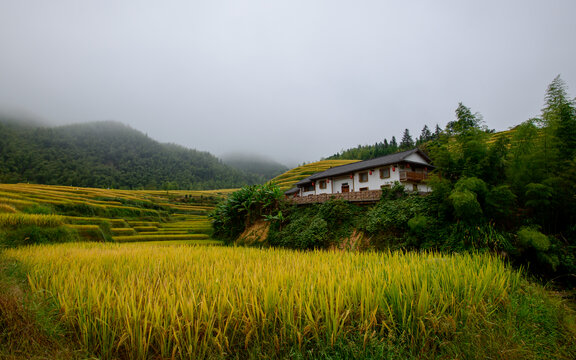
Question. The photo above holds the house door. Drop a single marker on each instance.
(345, 188)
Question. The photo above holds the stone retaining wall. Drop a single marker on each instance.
(359, 196)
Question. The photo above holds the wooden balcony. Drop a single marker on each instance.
(412, 176)
(358, 197)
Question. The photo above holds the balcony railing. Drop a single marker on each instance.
(358, 196)
(412, 176)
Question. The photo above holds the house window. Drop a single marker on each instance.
(322, 184)
(308, 188)
(385, 173)
(364, 189)
(363, 176)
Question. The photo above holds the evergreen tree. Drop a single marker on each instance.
(437, 132)
(425, 135)
(407, 142)
(393, 144)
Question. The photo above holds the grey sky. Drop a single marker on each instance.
(294, 80)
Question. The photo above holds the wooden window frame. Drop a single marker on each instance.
(360, 175)
(382, 173)
(322, 184)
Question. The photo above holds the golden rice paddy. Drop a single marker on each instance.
(146, 301)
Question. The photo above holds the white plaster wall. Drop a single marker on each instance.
(337, 184)
(319, 191)
(374, 182)
(416, 158)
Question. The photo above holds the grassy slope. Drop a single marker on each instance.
(291, 177)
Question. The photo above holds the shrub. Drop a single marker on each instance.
(418, 224)
(243, 207)
(466, 206)
(530, 237)
(500, 202)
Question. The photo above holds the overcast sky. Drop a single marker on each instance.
(296, 80)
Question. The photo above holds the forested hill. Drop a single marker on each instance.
(107, 154)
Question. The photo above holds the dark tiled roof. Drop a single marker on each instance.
(292, 191)
(367, 164)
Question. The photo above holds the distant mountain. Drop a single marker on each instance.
(107, 154)
(255, 164)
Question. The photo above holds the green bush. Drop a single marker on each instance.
(500, 202)
(243, 207)
(529, 237)
(466, 206)
(304, 232)
(474, 185)
(418, 224)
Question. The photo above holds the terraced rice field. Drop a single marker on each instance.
(291, 177)
(118, 215)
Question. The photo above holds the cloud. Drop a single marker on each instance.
(295, 80)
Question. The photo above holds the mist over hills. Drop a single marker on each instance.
(255, 164)
(107, 154)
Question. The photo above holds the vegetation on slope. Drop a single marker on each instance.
(255, 164)
(108, 155)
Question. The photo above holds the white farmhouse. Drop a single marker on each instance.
(409, 168)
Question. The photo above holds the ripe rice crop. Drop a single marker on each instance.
(18, 220)
(196, 302)
(145, 228)
(122, 231)
(16, 202)
(5, 208)
(84, 227)
(159, 237)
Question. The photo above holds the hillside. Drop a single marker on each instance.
(107, 155)
(287, 180)
(254, 164)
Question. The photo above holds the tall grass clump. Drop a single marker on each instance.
(204, 302)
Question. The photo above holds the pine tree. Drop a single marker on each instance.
(407, 142)
(393, 144)
(437, 132)
(425, 135)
